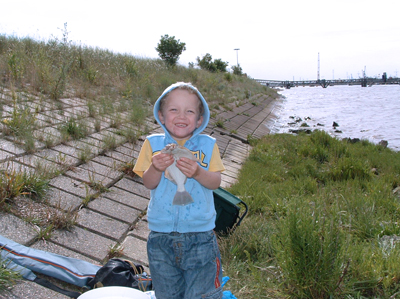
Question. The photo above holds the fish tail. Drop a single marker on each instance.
(182, 198)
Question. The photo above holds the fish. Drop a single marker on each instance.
(182, 197)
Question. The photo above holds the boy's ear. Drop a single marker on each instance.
(161, 117)
(199, 121)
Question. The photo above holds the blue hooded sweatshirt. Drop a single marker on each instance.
(198, 216)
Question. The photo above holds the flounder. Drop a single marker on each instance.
(182, 197)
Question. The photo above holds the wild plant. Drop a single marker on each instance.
(115, 251)
(8, 276)
(85, 154)
(109, 142)
(11, 186)
(73, 129)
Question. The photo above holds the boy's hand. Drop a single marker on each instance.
(162, 161)
(188, 167)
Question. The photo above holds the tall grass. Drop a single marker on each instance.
(323, 220)
(61, 68)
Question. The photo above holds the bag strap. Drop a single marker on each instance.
(142, 283)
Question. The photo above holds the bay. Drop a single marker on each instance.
(370, 113)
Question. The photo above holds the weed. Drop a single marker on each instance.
(8, 276)
(127, 168)
(116, 250)
(11, 186)
(110, 142)
(96, 185)
(85, 154)
(44, 233)
(73, 129)
(220, 123)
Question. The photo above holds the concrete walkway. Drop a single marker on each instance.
(117, 216)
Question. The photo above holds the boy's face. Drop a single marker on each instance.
(181, 114)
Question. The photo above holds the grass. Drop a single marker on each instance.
(8, 277)
(322, 222)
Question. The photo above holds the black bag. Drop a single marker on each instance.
(122, 273)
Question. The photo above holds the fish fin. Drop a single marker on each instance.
(182, 198)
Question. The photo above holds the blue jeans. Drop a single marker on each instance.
(185, 266)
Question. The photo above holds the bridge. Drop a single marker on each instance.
(364, 82)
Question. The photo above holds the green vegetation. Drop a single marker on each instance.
(8, 277)
(323, 220)
(169, 49)
(207, 64)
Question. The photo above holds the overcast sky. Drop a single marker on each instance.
(277, 39)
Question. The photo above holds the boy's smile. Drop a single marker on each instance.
(181, 114)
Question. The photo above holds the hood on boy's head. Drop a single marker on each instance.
(206, 114)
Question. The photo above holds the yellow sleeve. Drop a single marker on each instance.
(216, 161)
(143, 161)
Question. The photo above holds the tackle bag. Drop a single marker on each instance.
(230, 211)
(122, 273)
(25, 260)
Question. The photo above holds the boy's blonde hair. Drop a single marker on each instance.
(188, 87)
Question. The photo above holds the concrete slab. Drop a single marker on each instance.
(5, 155)
(84, 242)
(72, 186)
(101, 224)
(127, 198)
(115, 210)
(134, 187)
(140, 230)
(118, 156)
(16, 229)
(58, 157)
(88, 176)
(26, 289)
(68, 150)
(62, 200)
(103, 170)
(108, 161)
(10, 147)
(39, 163)
(136, 249)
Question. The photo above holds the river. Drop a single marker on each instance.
(371, 113)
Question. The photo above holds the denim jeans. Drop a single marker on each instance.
(185, 266)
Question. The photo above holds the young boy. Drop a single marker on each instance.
(182, 248)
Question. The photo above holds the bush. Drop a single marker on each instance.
(169, 49)
(207, 64)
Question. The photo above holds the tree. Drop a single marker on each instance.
(206, 63)
(237, 70)
(220, 65)
(169, 49)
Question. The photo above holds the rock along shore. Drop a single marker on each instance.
(117, 215)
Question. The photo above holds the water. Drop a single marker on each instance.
(370, 113)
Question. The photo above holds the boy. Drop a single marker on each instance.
(182, 248)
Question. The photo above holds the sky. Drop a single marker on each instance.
(277, 40)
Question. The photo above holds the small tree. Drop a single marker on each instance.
(237, 70)
(220, 65)
(169, 49)
(206, 63)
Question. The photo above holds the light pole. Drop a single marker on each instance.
(237, 56)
